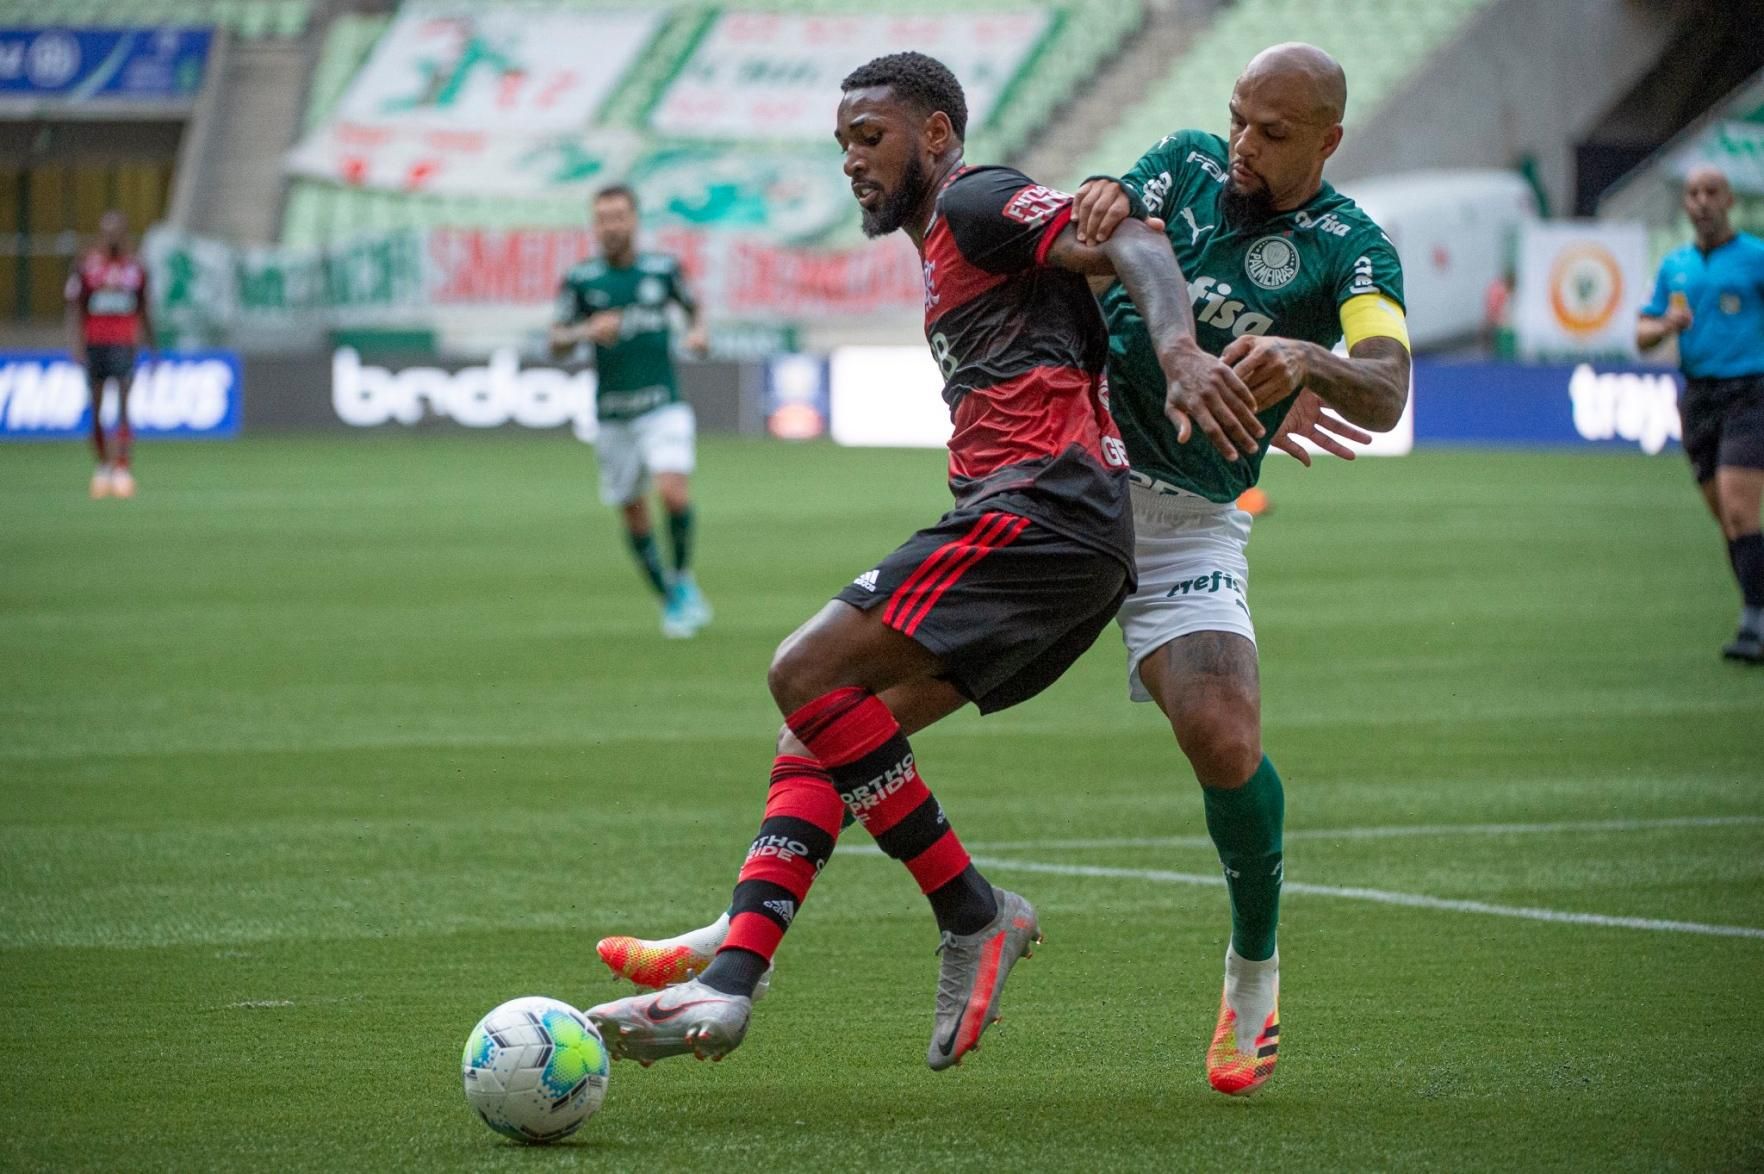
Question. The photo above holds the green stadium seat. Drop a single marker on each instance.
(1366, 36)
(1091, 32)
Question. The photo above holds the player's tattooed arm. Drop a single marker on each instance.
(1368, 387)
(1201, 392)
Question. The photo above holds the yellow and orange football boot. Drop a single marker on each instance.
(664, 962)
(1240, 1061)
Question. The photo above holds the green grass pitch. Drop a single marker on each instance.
(319, 749)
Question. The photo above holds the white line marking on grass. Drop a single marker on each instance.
(1377, 896)
(1384, 833)
(1384, 897)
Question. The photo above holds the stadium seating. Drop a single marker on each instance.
(1378, 42)
(250, 19)
(1085, 33)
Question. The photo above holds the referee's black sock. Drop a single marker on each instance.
(1747, 554)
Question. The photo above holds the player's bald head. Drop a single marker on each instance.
(1309, 75)
(1708, 198)
(1707, 177)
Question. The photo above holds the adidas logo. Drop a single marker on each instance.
(867, 580)
(784, 909)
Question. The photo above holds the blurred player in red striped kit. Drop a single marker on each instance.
(107, 322)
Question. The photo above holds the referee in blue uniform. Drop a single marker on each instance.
(1711, 295)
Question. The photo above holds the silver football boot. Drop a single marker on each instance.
(690, 1018)
(972, 978)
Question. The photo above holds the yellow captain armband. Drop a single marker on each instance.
(1373, 315)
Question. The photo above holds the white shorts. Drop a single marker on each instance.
(1193, 575)
(658, 441)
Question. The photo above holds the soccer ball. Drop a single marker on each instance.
(534, 1069)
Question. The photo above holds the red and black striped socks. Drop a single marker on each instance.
(862, 763)
(857, 739)
(801, 825)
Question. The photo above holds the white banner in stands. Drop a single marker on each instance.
(493, 100)
(758, 75)
(1580, 285)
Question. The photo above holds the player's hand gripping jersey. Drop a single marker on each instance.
(1023, 349)
(1315, 273)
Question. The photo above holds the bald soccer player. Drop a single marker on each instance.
(1710, 294)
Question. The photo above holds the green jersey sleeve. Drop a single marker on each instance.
(1375, 269)
(680, 291)
(1159, 174)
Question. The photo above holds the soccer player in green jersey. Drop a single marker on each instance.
(618, 301)
(1280, 267)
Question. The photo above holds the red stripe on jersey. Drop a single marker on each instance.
(900, 601)
(1007, 536)
(1039, 413)
(951, 280)
(1054, 227)
(110, 293)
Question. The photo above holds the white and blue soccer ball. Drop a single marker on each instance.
(535, 1069)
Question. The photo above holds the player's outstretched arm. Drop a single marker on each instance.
(1306, 420)
(1369, 386)
(1202, 392)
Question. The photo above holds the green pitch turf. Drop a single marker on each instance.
(318, 750)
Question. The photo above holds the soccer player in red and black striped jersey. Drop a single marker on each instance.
(107, 321)
(990, 604)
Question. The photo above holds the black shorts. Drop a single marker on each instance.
(1005, 602)
(109, 361)
(1723, 422)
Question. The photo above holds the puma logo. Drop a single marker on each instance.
(1194, 228)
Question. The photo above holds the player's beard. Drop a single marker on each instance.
(1246, 208)
(897, 205)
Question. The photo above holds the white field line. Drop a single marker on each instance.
(1384, 833)
(1385, 896)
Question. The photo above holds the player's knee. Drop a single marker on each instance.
(791, 677)
(1737, 519)
(789, 743)
(1223, 743)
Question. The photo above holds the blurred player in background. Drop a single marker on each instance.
(992, 603)
(1711, 296)
(1282, 267)
(1228, 210)
(108, 321)
(618, 301)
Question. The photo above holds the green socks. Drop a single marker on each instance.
(1245, 824)
(649, 561)
(680, 532)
